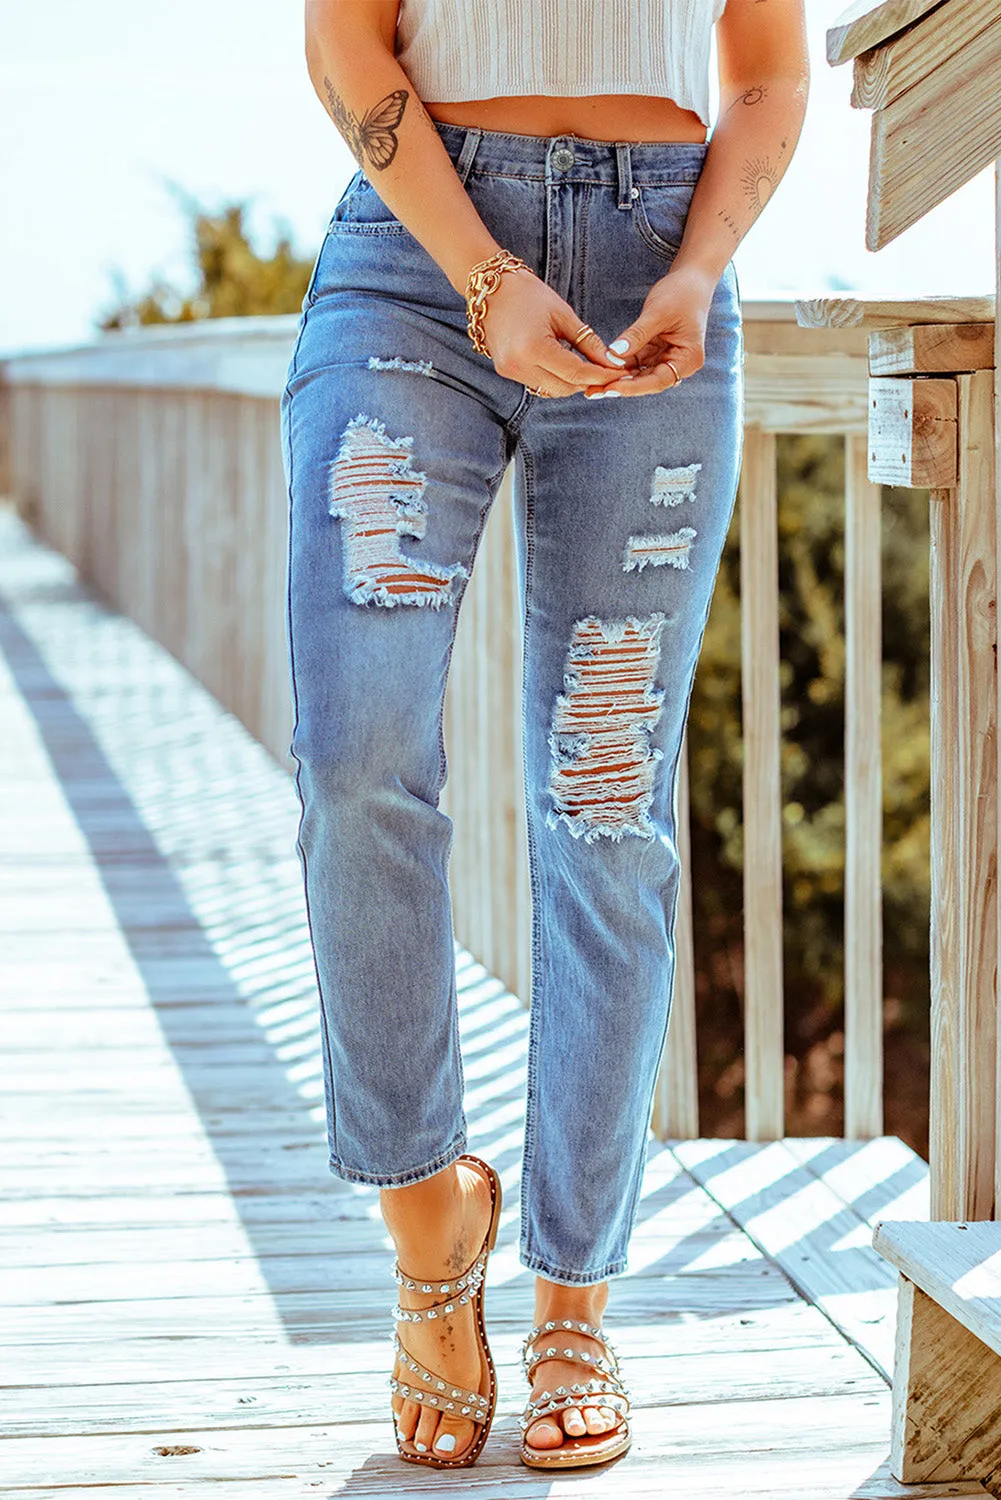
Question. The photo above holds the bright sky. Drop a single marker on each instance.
(102, 103)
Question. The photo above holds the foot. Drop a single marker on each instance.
(556, 1303)
(438, 1227)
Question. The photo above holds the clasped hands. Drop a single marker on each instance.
(534, 338)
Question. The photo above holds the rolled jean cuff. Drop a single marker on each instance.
(401, 1179)
(572, 1278)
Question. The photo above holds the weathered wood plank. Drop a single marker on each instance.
(913, 432)
(946, 1396)
(944, 1085)
(821, 1447)
(656, 1379)
(867, 23)
(887, 71)
(958, 1265)
(877, 1179)
(931, 349)
(862, 313)
(976, 798)
(923, 148)
(798, 393)
(863, 799)
(797, 1221)
(764, 1053)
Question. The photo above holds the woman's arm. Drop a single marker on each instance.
(350, 55)
(764, 79)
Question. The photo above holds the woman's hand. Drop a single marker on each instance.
(670, 331)
(523, 324)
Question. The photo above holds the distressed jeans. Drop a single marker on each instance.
(397, 433)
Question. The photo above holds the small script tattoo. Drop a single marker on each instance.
(759, 181)
(730, 223)
(374, 136)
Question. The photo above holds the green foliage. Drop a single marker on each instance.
(233, 279)
(811, 625)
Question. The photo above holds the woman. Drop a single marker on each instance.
(536, 217)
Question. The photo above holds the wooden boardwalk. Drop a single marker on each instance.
(189, 1303)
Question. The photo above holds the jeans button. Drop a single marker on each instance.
(563, 158)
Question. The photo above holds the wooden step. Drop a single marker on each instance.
(946, 1421)
(957, 1265)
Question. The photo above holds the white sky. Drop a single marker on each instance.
(102, 102)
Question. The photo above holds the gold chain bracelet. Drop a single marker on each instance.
(482, 281)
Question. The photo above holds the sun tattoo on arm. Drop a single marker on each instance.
(375, 135)
(759, 180)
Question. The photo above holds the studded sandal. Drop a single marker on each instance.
(604, 1388)
(427, 1386)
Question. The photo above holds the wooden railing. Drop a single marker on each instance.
(152, 460)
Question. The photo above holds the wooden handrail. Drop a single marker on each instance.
(129, 454)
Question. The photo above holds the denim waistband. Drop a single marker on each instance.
(555, 159)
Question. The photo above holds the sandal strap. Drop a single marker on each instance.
(595, 1393)
(431, 1389)
(568, 1325)
(459, 1293)
(606, 1368)
(473, 1273)
(552, 1349)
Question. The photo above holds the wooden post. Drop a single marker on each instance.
(964, 923)
(863, 801)
(977, 773)
(997, 516)
(944, 1090)
(764, 1050)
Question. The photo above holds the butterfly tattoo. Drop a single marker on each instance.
(375, 135)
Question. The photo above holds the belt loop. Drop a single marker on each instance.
(469, 145)
(624, 163)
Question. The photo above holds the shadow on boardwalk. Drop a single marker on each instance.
(201, 1275)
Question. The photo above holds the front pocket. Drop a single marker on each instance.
(660, 215)
(362, 211)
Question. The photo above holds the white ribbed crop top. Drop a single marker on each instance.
(480, 49)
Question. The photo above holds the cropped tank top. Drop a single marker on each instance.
(480, 49)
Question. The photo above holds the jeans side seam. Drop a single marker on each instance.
(535, 997)
(331, 1107)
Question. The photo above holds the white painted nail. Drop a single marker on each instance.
(421, 1447)
(445, 1442)
(620, 346)
(593, 395)
(611, 393)
(614, 358)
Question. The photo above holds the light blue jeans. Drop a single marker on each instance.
(397, 433)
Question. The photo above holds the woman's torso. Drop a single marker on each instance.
(556, 67)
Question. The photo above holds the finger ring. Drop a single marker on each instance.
(677, 377)
(582, 334)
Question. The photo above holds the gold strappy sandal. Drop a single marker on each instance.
(427, 1386)
(603, 1389)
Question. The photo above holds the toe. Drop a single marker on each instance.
(453, 1437)
(611, 1417)
(426, 1428)
(544, 1434)
(408, 1413)
(594, 1419)
(573, 1422)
